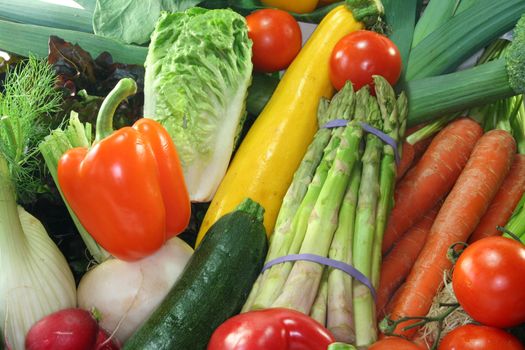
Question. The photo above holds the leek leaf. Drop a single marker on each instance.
(26, 39)
(74, 15)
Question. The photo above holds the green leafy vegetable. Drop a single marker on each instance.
(132, 21)
(198, 70)
(85, 81)
(28, 98)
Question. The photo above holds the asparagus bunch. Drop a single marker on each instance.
(340, 213)
(287, 239)
(303, 281)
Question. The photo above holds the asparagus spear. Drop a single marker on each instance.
(274, 278)
(365, 323)
(304, 278)
(320, 306)
(340, 315)
(392, 118)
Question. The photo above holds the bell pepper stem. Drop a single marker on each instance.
(125, 87)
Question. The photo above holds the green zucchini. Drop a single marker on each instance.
(213, 286)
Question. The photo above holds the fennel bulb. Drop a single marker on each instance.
(36, 279)
(125, 293)
(198, 71)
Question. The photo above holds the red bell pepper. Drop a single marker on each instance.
(128, 189)
(276, 329)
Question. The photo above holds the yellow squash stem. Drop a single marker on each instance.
(267, 158)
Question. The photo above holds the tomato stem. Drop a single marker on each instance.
(455, 250)
(388, 325)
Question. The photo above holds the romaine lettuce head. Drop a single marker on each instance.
(198, 71)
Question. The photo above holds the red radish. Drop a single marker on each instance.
(68, 329)
(104, 343)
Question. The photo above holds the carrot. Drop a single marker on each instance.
(411, 155)
(432, 178)
(461, 212)
(407, 154)
(501, 208)
(406, 161)
(397, 264)
(389, 307)
(421, 146)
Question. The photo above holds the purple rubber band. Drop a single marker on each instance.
(337, 123)
(349, 269)
(384, 137)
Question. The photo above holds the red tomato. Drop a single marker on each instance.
(488, 281)
(276, 39)
(360, 55)
(394, 343)
(472, 337)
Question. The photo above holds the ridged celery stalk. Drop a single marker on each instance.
(303, 281)
(52, 148)
(516, 224)
(365, 226)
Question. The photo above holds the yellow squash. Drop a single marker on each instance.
(297, 6)
(263, 167)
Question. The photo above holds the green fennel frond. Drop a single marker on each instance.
(29, 97)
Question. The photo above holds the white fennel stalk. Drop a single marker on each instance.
(36, 279)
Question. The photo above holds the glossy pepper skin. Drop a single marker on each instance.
(128, 189)
(276, 329)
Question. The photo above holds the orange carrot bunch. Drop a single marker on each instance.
(477, 184)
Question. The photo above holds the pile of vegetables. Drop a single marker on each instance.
(201, 175)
